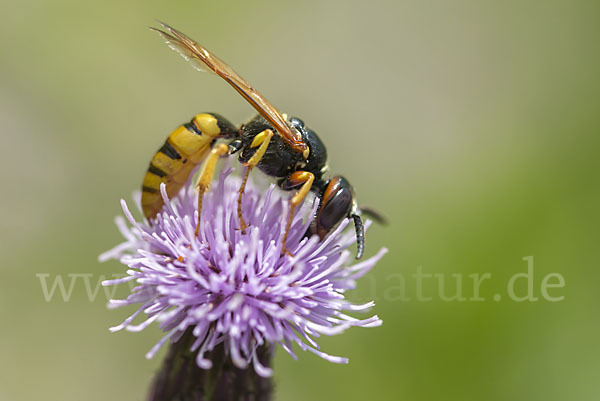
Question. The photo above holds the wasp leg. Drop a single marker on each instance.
(360, 235)
(305, 179)
(206, 175)
(261, 140)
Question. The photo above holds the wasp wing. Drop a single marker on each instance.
(184, 51)
(203, 60)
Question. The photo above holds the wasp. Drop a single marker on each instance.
(281, 147)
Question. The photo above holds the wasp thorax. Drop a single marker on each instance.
(317, 156)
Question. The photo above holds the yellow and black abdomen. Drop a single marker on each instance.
(185, 148)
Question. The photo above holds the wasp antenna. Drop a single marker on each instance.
(360, 235)
(374, 214)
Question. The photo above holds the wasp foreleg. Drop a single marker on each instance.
(261, 140)
(297, 178)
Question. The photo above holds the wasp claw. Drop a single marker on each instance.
(287, 252)
(243, 227)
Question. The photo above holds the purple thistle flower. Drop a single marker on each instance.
(236, 288)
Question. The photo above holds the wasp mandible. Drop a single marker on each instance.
(280, 147)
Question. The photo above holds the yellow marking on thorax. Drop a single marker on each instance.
(258, 139)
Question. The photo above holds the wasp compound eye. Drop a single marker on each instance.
(297, 123)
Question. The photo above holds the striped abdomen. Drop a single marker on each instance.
(184, 149)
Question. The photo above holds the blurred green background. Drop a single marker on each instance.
(474, 125)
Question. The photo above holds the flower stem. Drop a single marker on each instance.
(179, 378)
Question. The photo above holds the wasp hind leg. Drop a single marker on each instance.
(261, 140)
(208, 170)
(297, 178)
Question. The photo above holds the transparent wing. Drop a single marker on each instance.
(184, 51)
(203, 60)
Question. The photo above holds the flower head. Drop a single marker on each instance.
(235, 287)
